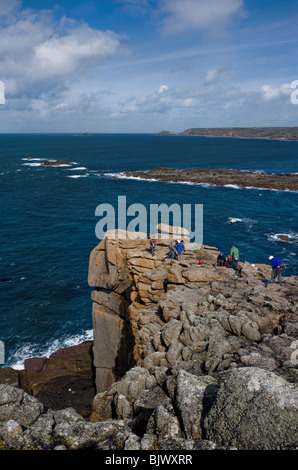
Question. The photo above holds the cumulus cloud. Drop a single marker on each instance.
(274, 92)
(39, 53)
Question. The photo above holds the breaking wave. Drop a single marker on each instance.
(30, 350)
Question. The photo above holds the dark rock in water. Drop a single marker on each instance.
(221, 177)
(283, 237)
(55, 163)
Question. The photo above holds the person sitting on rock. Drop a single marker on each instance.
(229, 262)
(221, 260)
(277, 268)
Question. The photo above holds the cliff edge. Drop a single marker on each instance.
(187, 356)
(185, 337)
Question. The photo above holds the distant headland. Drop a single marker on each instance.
(267, 133)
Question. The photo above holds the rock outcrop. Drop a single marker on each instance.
(65, 379)
(221, 177)
(186, 357)
(181, 330)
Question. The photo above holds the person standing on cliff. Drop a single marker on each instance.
(153, 244)
(234, 253)
(180, 248)
(277, 268)
(173, 250)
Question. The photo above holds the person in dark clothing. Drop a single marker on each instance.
(221, 260)
(230, 263)
(277, 268)
(234, 252)
(153, 244)
(173, 250)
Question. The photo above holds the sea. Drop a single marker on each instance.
(48, 219)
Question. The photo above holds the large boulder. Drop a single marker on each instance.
(254, 409)
(17, 405)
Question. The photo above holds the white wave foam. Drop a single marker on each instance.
(32, 350)
(122, 175)
(78, 176)
(32, 164)
(33, 159)
(233, 220)
(58, 166)
(283, 237)
(78, 168)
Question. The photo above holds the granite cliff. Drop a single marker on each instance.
(186, 357)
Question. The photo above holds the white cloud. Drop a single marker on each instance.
(215, 74)
(273, 92)
(38, 54)
(186, 15)
(188, 102)
(163, 88)
(68, 54)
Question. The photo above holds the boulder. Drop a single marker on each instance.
(17, 405)
(194, 398)
(254, 409)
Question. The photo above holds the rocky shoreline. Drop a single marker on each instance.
(185, 357)
(221, 177)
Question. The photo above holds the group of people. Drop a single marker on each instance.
(231, 261)
(177, 247)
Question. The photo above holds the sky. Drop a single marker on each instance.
(143, 66)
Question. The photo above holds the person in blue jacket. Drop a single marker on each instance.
(180, 248)
(277, 268)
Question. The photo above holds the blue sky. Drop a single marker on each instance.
(147, 65)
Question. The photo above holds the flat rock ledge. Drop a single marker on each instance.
(221, 177)
(186, 357)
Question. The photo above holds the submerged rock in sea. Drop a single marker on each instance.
(55, 163)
